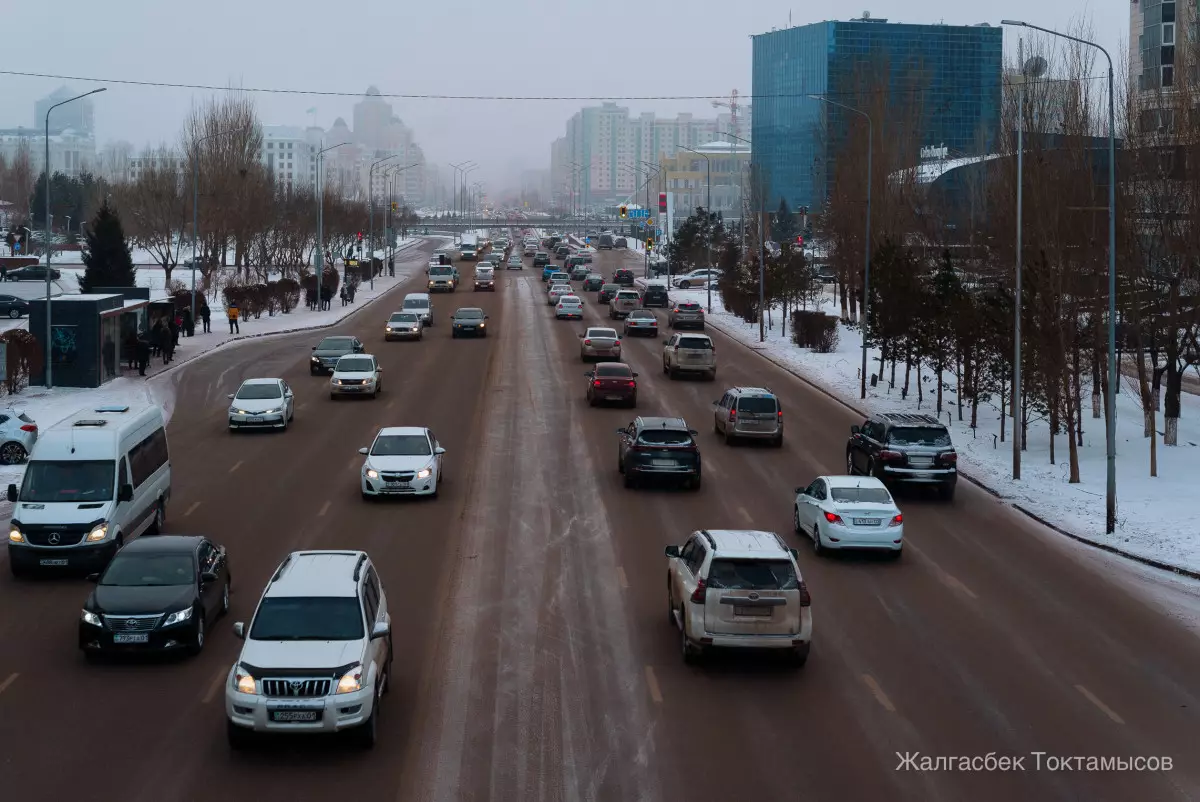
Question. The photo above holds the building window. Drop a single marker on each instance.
(1168, 76)
(1168, 31)
(1168, 12)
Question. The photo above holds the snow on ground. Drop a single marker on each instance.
(1156, 517)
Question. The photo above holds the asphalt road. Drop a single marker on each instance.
(533, 656)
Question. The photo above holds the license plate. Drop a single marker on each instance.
(295, 715)
(52, 562)
(396, 484)
(923, 475)
(866, 522)
(351, 389)
(254, 419)
(663, 463)
(612, 398)
(131, 637)
(755, 612)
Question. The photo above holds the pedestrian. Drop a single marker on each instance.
(189, 325)
(164, 343)
(109, 350)
(206, 317)
(142, 353)
(173, 327)
(342, 293)
(232, 313)
(391, 267)
(156, 335)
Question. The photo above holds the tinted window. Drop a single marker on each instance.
(401, 445)
(355, 365)
(336, 344)
(868, 495)
(696, 343)
(641, 314)
(665, 437)
(628, 296)
(148, 456)
(614, 369)
(415, 303)
(132, 569)
(469, 314)
(610, 333)
(757, 406)
(304, 618)
(610, 287)
(919, 436)
(688, 306)
(252, 392)
(752, 575)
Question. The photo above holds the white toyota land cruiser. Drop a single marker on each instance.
(318, 652)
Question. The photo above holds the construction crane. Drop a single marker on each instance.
(732, 105)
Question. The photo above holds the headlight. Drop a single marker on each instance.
(372, 473)
(316, 359)
(275, 411)
(99, 532)
(89, 617)
(335, 381)
(424, 473)
(14, 534)
(481, 325)
(389, 328)
(177, 617)
(234, 411)
(243, 682)
(351, 681)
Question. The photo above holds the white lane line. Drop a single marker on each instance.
(191, 509)
(9, 680)
(652, 682)
(745, 513)
(622, 580)
(215, 686)
(324, 508)
(1091, 697)
(390, 404)
(945, 577)
(878, 693)
(236, 465)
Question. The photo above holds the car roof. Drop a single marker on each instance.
(468, 309)
(402, 430)
(751, 391)
(602, 328)
(163, 544)
(355, 356)
(419, 296)
(261, 381)
(661, 422)
(569, 297)
(746, 544)
(317, 573)
(854, 481)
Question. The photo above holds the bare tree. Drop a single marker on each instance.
(154, 208)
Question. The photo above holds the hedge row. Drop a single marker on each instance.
(815, 330)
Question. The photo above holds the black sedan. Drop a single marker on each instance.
(13, 307)
(159, 594)
(325, 354)
(468, 322)
(593, 282)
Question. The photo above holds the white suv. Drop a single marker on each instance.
(318, 652)
(738, 589)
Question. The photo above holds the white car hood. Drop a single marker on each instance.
(363, 374)
(253, 405)
(301, 653)
(399, 463)
(61, 513)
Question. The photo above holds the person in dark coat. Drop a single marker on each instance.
(206, 317)
(156, 336)
(173, 326)
(165, 343)
(109, 352)
(189, 325)
(143, 353)
(391, 267)
(345, 299)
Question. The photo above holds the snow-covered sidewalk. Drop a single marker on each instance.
(1157, 518)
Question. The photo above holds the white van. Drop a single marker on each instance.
(419, 303)
(93, 482)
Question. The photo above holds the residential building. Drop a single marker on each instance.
(1161, 34)
(78, 116)
(687, 175)
(289, 156)
(932, 86)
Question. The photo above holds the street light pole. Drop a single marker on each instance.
(49, 244)
(321, 219)
(866, 299)
(708, 222)
(195, 207)
(454, 186)
(371, 215)
(1110, 502)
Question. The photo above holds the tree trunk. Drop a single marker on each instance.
(1073, 398)
(1143, 392)
(1096, 385)
(907, 369)
(920, 389)
(938, 373)
(1075, 391)
(1004, 413)
(1053, 425)
(963, 380)
(1172, 401)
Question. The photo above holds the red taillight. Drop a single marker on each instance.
(951, 456)
(834, 519)
(899, 519)
(29, 427)
(805, 597)
(699, 593)
(585, 342)
(596, 383)
(632, 384)
(778, 414)
(732, 415)
(887, 455)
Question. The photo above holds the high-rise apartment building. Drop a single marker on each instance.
(1160, 34)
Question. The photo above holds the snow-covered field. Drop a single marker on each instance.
(1156, 517)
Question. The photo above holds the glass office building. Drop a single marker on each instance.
(943, 79)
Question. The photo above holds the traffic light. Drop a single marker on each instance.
(649, 243)
(624, 212)
(394, 205)
(662, 202)
(360, 236)
(799, 240)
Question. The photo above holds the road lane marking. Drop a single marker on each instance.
(390, 404)
(215, 686)
(742, 511)
(236, 465)
(878, 693)
(621, 578)
(652, 682)
(324, 508)
(943, 576)
(302, 406)
(1091, 697)
(9, 680)
(191, 509)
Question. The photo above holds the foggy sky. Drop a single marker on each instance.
(486, 47)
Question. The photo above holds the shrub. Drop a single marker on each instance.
(815, 330)
(24, 358)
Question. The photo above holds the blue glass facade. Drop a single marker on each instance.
(946, 77)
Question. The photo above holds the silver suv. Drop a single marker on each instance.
(624, 302)
(738, 589)
(318, 652)
(689, 353)
(685, 314)
(752, 413)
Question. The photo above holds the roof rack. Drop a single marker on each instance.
(91, 422)
(112, 408)
(279, 570)
(910, 418)
(362, 558)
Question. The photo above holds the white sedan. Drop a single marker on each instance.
(261, 404)
(568, 307)
(356, 374)
(402, 461)
(849, 512)
(557, 291)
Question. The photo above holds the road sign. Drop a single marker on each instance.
(638, 214)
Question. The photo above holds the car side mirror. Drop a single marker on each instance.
(635, 375)
(364, 451)
(229, 396)
(671, 551)
(288, 394)
(439, 450)
(381, 630)
(800, 491)
(795, 554)
(12, 493)
(855, 429)
(693, 431)
(93, 578)
(239, 630)
(208, 577)
(487, 317)
(126, 493)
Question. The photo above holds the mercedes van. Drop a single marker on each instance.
(93, 482)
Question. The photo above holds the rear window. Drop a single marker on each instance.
(688, 306)
(628, 295)
(752, 575)
(656, 289)
(868, 495)
(919, 436)
(610, 287)
(624, 272)
(665, 437)
(613, 369)
(696, 343)
(757, 406)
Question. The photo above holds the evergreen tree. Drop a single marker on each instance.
(783, 227)
(107, 259)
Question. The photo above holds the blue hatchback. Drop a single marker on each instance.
(549, 270)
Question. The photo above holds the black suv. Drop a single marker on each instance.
(659, 448)
(655, 295)
(562, 251)
(902, 447)
(541, 259)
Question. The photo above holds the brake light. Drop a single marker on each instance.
(596, 383)
(587, 342)
(805, 597)
(699, 593)
(899, 519)
(951, 456)
(779, 414)
(29, 427)
(834, 519)
(732, 415)
(886, 455)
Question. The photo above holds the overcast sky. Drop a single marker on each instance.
(449, 47)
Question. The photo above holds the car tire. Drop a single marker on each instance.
(694, 483)
(671, 606)
(633, 402)
(225, 597)
(818, 547)
(18, 571)
(367, 733)
(197, 642)
(777, 442)
(160, 519)
(13, 454)
(333, 397)
(14, 313)
(366, 496)
(591, 399)
(689, 652)
(712, 375)
(630, 481)
(729, 438)
(897, 554)
(796, 527)
(311, 372)
(239, 738)
(799, 656)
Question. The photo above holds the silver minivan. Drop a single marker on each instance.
(751, 413)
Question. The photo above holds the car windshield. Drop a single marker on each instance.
(305, 618)
(757, 406)
(600, 333)
(696, 343)
(68, 480)
(401, 445)
(752, 575)
(256, 392)
(611, 369)
(134, 570)
(336, 344)
(624, 272)
(469, 314)
(403, 318)
(441, 270)
(665, 437)
(355, 364)
(416, 303)
(919, 436)
(641, 314)
(862, 495)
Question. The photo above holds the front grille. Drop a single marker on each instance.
(353, 381)
(132, 623)
(53, 536)
(296, 688)
(405, 476)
